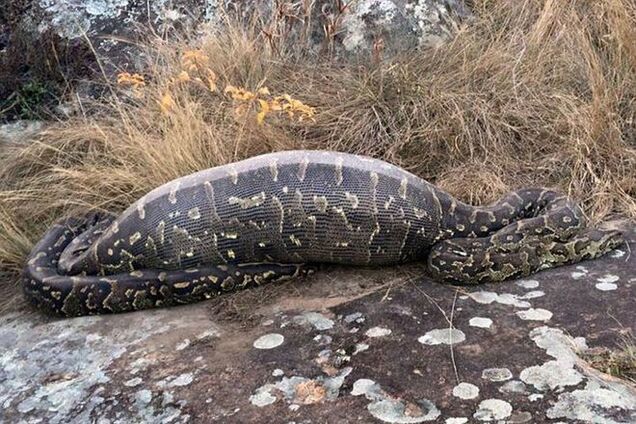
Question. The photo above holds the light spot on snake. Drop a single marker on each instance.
(353, 199)
(194, 213)
(285, 189)
(233, 175)
(321, 203)
(141, 208)
(480, 322)
(466, 391)
(496, 374)
(182, 285)
(248, 202)
(134, 238)
(535, 314)
(377, 332)
(231, 254)
(403, 188)
(137, 274)
(493, 410)
(302, 169)
(442, 336)
(161, 229)
(338, 171)
(110, 252)
(273, 169)
(269, 341)
(387, 204)
(295, 240)
(172, 196)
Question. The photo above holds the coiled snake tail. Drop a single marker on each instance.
(543, 229)
(60, 294)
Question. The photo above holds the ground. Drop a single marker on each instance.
(344, 345)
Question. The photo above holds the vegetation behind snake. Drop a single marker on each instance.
(261, 219)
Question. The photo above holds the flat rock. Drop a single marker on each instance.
(340, 346)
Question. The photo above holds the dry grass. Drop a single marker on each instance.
(532, 92)
(618, 362)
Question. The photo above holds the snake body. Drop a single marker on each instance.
(261, 219)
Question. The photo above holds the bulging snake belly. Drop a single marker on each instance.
(261, 219)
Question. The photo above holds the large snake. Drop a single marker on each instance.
(261, 219)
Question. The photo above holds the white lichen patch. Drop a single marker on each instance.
(466, 391)
(142, 397)
(493, 410)
(360, 347)
(377, 332)
(532, 294)
(496, 374)
(528, 284)
(608, 278)
(480, 322)
(356, 316)
(606, 286)
(298, 390)
(442, 336)
(269, 341)
(618, 253)
(594, 404)
(456, 420)
(315, 319)
(390, 409)
(184, 344)
(580, 273)
(487, 297)
(550, 376)
(533, 314)
(133, 382)
(556, 373)
(56, 371)
(514, 386)
(182, 380)
(263, 396)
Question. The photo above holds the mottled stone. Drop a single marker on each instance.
(269, 341)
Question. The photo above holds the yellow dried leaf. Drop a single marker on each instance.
(265, 108)
(135, 80)
(192, 60)
(183, 76)
(212, 78)
(167, 103)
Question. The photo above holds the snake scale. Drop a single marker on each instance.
(261, 219)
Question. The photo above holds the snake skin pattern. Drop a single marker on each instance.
(261, 219)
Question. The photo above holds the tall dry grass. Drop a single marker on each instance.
(531, 93)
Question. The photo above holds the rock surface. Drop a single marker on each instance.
(346, 345)
(353, 26)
